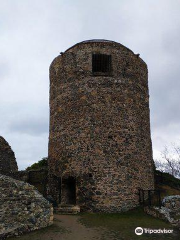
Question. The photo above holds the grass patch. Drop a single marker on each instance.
(167, 190)
(167, 179)
(168, 184)
(122, 225)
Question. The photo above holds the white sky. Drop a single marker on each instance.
(32, 33)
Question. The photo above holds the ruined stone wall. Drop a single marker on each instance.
(22, 207)
(8, 164)
(169, 211)
(100, 127)
(37, 178)
(172, 203)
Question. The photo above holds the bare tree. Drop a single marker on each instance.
(170, 161)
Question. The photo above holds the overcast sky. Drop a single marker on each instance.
(33, 32)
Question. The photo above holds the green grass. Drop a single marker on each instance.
(122, 225)
(167, 190)
(168, 184)
(167, 179)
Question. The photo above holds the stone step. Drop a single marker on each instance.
(67, 209)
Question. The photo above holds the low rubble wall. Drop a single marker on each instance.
(22, 208)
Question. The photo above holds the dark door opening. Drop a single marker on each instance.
(68, 191)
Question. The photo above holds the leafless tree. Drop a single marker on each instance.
(170, 160)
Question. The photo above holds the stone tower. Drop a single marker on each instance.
(8, 164)
(100, 150)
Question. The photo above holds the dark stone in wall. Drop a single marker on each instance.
(100, 127)
(8, 164)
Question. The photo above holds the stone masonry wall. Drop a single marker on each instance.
(22, 208)
(8, 164)
(100, 127)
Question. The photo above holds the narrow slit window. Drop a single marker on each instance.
(101, 63)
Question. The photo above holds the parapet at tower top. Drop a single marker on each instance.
(98, 41)
(90, 41)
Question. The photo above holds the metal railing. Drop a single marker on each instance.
(150, 198)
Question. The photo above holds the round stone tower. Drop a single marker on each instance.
(100, 151)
